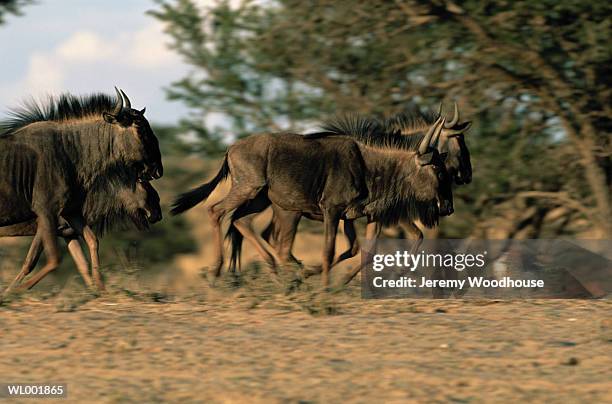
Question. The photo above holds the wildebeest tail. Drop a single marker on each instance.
(236, 239)
(235, 236)
(191, 198)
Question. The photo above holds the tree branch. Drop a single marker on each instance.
(561, 197)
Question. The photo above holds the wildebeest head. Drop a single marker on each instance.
(452, 140)
(138, 134)
(151, 207)
(142, 204)
(433, 168)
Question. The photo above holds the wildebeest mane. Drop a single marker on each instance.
(61, 108)
(410, 121)
(374, 132)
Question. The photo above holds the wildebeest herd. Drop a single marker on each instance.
(77, 166)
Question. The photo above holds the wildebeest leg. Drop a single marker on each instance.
(248, 233)
(285, 226)
(92, 243)
(30, 262)
(280, 233)
(79, 260)
(372, 233)
(215, 218)
(330, 221)
(232, 201)
(242, 220)
(349, 231)
(411, 229)
(78, 223)
(47, 227)
(269, 233)
(353, 249)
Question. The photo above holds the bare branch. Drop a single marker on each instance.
(560, 197)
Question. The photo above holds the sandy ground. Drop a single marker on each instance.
(246, 345)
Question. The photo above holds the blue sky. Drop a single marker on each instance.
(85, 46)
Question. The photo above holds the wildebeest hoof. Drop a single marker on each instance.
(99, 287)
(311, 271)
(211, 278)
(297, 262)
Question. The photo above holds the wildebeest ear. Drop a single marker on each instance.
(460, 128)
(425, 159)
(109, 117)
(142, 111)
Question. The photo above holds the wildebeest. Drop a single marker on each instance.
(413, 124)
(51, 156)
(452, 138)
(329, 178)
(107, 205)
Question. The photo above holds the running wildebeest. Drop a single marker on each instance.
(51, 156)
(108, 205)
(281, 231)
(328, 177)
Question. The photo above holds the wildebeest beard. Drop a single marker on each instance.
(398, 209)
(104, 208)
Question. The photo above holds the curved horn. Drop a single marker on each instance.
(128, 104)
(436, 135)
(427, 139)
(455, 119)
(440, 110)
(119, 104)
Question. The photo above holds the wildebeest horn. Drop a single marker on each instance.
(440, 110)
(128, 104)
(119, 104)
(436, 135)
(455, 119)
(427, 139)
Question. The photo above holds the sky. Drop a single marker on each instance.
(85, 46)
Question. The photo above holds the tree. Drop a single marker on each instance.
(11, 7)
(533, 76)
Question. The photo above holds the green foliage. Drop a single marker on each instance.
(171, 142)
(11, 7)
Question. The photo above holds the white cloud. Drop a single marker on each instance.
(233, 4)
(88, 59)
(82, 47)
(85, 46)
(148, 48)
(44, 74)
(143, 48)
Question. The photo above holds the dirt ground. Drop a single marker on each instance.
(247, 343)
